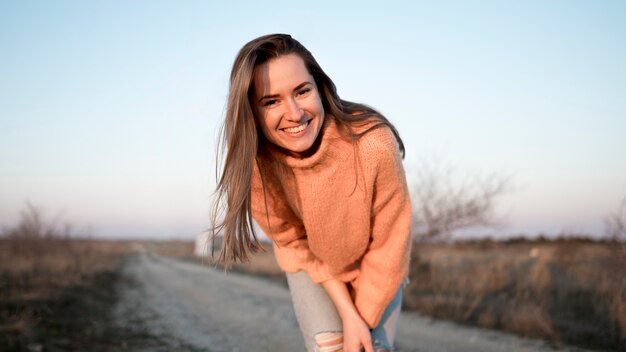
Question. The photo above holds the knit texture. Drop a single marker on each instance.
(342, 213)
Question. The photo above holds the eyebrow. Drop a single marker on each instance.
(277, 95)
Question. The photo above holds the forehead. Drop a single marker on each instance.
(279, 75)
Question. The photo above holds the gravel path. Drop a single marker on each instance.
(190, 307)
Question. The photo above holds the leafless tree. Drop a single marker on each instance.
(615, 224)
(444, 202)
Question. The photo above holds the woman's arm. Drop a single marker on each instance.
(385, 264)
(356, 333)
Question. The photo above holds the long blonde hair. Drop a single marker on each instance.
(240, 141)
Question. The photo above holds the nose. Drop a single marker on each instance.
(294, 112)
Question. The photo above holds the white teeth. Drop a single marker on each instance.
(297, 128)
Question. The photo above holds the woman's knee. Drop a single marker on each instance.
(329, 341)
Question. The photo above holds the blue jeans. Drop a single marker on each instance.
(319, 320)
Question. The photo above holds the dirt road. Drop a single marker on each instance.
(190, 307)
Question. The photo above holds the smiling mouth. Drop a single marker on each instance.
(296, 129)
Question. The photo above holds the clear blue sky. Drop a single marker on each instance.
(109, 110)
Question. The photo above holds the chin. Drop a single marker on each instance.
(299, 150)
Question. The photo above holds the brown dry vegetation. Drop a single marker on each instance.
(173, 248)
(51, 288)
(57, 293)
(567, 291)
(36, 268)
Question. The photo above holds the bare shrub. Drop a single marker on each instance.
(615, 224)
(444, 202)
(615, 229)
(38, 257)
(39, 262)
(33, 226)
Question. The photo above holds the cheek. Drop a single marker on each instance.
(271, 119)
(268, 123)
(319, 105)
(314, 106)
(320, 110)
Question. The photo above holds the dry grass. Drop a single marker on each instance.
(59, 294)
(41, 271)
(569, 291)
(261, 264)
(33, 271)
(176, 249)
(35, 268)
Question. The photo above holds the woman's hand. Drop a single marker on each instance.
(356, 334)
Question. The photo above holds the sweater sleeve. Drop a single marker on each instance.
(385, 263)
(271, 211)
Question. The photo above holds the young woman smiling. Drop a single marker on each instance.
(323, 178)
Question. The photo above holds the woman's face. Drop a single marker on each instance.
(287, 104)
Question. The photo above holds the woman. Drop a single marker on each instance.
(323, 178)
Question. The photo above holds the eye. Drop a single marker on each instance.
(304, 91)
(269, 102)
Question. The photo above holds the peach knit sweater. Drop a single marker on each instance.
(342, 213)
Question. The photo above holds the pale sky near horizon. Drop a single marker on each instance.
(109, 110)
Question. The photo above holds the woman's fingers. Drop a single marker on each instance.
(367, 345)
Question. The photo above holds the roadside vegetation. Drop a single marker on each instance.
(565, 290)
(58, 292)
(55, 292)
